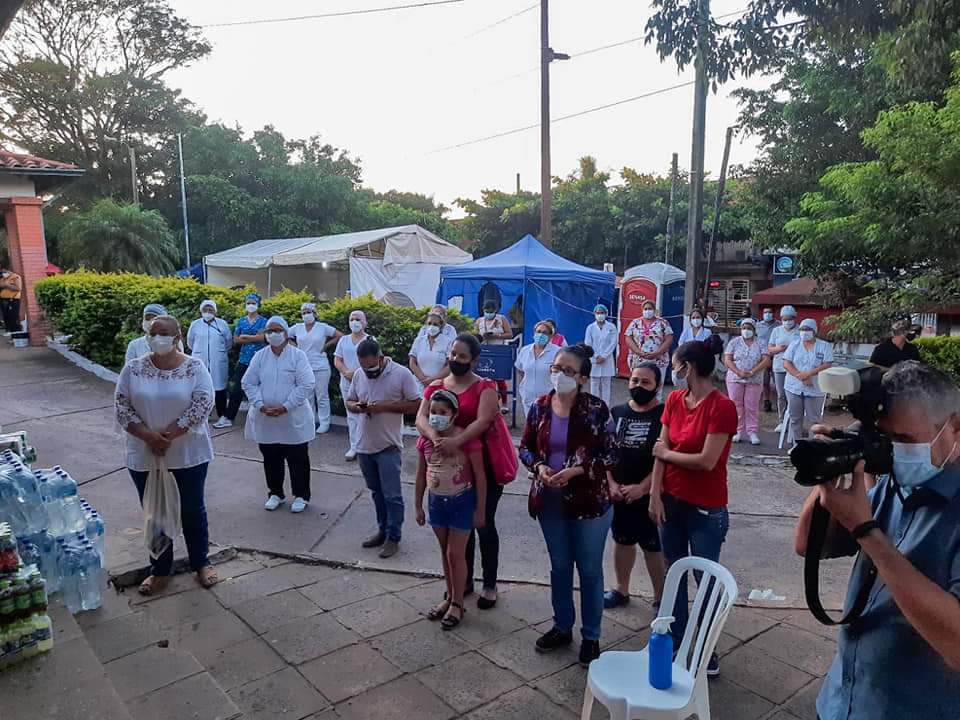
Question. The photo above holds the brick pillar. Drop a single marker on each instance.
(28, 258)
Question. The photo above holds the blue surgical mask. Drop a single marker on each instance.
(489, 315)
(912, 465)
(541, 339)
(439, 422)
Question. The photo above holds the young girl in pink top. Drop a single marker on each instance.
(457, 485)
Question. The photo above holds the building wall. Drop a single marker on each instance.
(16, 186)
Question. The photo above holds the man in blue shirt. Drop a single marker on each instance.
(901, 658)
(248, 334)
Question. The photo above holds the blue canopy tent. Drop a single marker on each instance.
(528, 275)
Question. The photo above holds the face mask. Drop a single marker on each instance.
(601, 318)
(207, 316)
(747, 334)
(146, 325)
(252, 308)
(489, 315)
(276, 339)
(768, 317)
(709, 322)
(911, 462)
(439, 422)
(459, 369)
(789, 324)
(696, 322)
(373, 373)
(641, 395)
(681, 374)
(160, 344)
(356, 326)
(562, 384)
(308, 318)
(648, 314)
(541, 339)
(806, 335)
(433, 330)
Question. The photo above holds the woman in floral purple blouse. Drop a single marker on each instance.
(567, 446)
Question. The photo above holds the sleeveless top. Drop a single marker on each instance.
(469, 400)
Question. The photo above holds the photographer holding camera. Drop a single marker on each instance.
(900, 658)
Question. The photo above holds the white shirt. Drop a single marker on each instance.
(383, 430)
(285, 379)
(138, 347)
(211, 342)
(782, 336)
(702, 334)
(347, 352)
(312, 342)
(496, 326)
(805, 360)
(158, 398)
(536, 372)
(603, 340)
(431, 359)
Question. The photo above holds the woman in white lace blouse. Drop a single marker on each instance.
(163, 400)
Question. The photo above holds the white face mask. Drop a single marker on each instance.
(309, 318)
(648, 314)
(439, 422)
(433, 330)
(746, 333)
(562, 384)
(161, 344)
(696, 322)
(807, 335)
(208, 316)
(146, 325)
(356, 326)
(275, 338)
(252, 308)
(789, 324)
(601, 318)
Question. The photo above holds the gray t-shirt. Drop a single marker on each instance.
(379, 431)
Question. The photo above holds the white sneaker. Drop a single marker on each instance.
(223, 422)
(321, 429)
(736, 438)
(298, 505)
(351, 454)
(272, 503)
(754, 440)
(778, 428)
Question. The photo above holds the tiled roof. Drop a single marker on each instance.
(28, 163)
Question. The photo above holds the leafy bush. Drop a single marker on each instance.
(941, 352)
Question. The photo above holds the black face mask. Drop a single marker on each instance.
(373, 373)
(459, 369)
(641, 395)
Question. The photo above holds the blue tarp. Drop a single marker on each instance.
(550, 287)
(194, 271)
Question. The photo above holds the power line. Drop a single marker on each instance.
(341, 13)
(579, 113)
(501, 21)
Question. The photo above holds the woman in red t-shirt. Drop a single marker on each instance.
(688, 497)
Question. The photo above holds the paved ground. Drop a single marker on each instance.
(371, 625)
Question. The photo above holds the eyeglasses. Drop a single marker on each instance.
(569, 372)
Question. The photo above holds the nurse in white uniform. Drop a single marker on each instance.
(428, 354)
(346, 362)
(314, 338)
(602, 336)
(533, 364)
(210, 339)
(138, 347)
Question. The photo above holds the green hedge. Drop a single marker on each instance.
(941, 352)
(102, 312)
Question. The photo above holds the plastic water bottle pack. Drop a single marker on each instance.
(25, 626)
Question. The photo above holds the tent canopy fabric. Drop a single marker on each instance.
(660, 273)
(533, 284)
(402, 245)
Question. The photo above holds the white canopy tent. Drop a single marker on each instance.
(400, 265)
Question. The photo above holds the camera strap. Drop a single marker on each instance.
(816, 539)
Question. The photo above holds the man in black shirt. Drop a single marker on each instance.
(898, 348)
(636, 428)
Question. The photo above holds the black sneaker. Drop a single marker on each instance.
(550, 641)
(713, 666)
(589, 651)
(768, 406)
(614, 599)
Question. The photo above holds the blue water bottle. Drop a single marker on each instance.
(660, 652)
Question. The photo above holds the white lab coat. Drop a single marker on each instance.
(285, 379)
(211, 342)
(603, 340)
(536, 373)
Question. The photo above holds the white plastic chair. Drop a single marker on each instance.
(619, 680)
(787, 433)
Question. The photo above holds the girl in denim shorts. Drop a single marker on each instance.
(455, 477)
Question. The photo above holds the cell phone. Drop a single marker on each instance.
(362, 404)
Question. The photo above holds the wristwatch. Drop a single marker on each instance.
(864, 529)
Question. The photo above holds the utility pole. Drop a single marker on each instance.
(695, 214)
(547, 55)
(518, 183)
(671, 216)
(133, 174)
(718, 206)
(183, 200)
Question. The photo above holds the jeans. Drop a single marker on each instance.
(321, 396)
(690, 531)
(297, 459)
(489, 539)
(381, 471)
(581, 542)
(746, 396)
(804, 411)
(236, 392)
(193, 517)
(600, 387)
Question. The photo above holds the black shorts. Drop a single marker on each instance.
(632, 525)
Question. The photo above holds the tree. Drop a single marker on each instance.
(498, 219)
(111, 237)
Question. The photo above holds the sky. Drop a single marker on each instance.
(397, 89)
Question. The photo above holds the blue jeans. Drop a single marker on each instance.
(193, 517)
(381, 471)
(690, 531)
(581, 542)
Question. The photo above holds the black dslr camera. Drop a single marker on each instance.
(819, 460)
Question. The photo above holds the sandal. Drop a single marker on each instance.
(153, 584)
(449, 621)
(207, 577)
(440, 609)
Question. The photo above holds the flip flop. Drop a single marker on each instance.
(449, 621)
(208, 578)
(153, 584)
